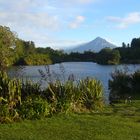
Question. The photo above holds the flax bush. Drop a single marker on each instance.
(10, 97)
(26, 100)
(72, 97)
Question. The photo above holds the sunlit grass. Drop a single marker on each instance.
(119, 122)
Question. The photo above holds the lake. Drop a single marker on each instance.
(80, 70)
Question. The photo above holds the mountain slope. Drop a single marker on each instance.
(94, 45)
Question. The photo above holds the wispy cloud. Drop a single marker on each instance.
(124, 22)
(72, 2)
(41, 20)
(77, 22)
(37, 20)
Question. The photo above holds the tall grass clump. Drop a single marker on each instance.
(60, 96)
(33, 106)
(91, 93)
(20, 100)
(10, 97)
(68, 95)
(85, 95)
(30, 89)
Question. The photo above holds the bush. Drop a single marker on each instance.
(37, 59)
(60, 96)
(91, 93)
(30, 89)
(69, 96)
(34, 107)
(26, 100)
(136, 82)
(124, 85)
(10, 97)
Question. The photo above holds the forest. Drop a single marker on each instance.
(15, 51)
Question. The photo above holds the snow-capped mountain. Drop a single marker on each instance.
(95, 45)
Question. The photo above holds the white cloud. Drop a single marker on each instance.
(80, 1)
(85, 1)
(130, 19)
(72, 2)
(41, 20)
(38, 20)
(77, 22)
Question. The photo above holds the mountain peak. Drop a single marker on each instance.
(95, 45)
(100, 39)
(97, 38)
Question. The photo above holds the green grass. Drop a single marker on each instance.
(121, 122)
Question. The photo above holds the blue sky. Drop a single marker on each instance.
(63, 23)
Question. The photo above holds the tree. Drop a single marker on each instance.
(135, 43)
(7, 43)
(37, 59)
(108, 56)
(123, 45)
(29, 47)
(115, 57)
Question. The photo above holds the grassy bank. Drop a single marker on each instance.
(119, 122)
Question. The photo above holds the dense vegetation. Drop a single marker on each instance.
(15, 51)
(130, 53)
(124, 85)
(26, 100)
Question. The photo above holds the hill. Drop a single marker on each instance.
(95, 45)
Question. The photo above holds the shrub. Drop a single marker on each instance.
(124, 85)
(34, 107)
(10, 97)
(91, 93)
(29, 89)
(60, 96)
(136, 82)
(26, 100)
(69, 96)
(37, 59)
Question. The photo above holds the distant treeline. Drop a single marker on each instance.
(15, 51)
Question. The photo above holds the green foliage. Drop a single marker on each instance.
(37, 59)
(124, 85)
(26, 100)
(91, 93)
(30, 89)
(108, 56)
(10, 97)
(7, 41)
(86, 95)
(34, 107)
(20, 100)
(135, 43)
(60, 96)
(136, 82)
(15, 51)
(130, 54)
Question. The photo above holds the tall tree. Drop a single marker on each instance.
(7, 44)
(135, 43)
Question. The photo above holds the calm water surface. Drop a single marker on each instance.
(80, 70)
